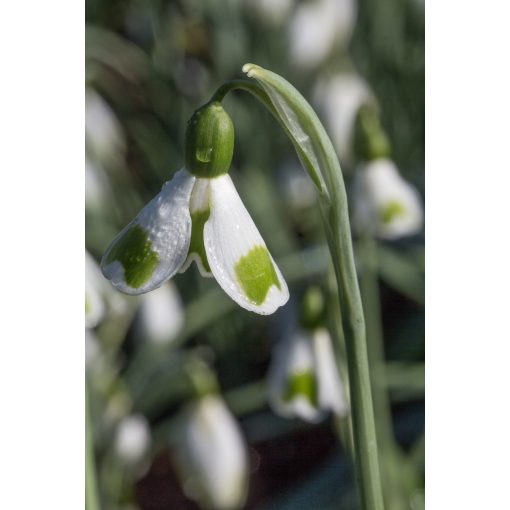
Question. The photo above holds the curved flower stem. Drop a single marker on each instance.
(91, 493)
(335, 215)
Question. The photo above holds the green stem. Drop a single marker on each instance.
(388, 448)
(336, 221)
(339, 240)
(91, 491)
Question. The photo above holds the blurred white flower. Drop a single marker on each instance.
(316, 26)
(132, 439)
(94, 302)
(303, 377)
(271, 11)
(103, 132)
(161, 315)
(297, 187)
(338, 99)
(97, 187)
(211, 455)
(384, 203)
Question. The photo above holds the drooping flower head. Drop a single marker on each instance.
(211, 455)
(199, 216)
(385, 204)
(303, 377)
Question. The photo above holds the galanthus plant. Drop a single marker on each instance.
(198, 216)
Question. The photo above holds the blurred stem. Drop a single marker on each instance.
(342, 426)
(335, 215)
(388, 448)
(91, 492)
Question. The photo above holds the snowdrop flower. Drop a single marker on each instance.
(316, 26)
(339, 98)
(384, 202)
(160, 316)
(303, 378)
(132, 439)
(103, 132)
(198, 216)
(211, 455)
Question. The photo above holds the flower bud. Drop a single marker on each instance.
(312, 308)
(370, 140)
(209, 141)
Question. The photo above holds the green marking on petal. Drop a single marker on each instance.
(390, 211)
(198, 219)
(301, 384)
(134, 251)
(255, 273)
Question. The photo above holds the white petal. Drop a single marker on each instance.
(331, 389)
(212, 456)
(200, 209)
(385, 202)
(160, 316)
(237, 254)
(153, 247)
(293, 357)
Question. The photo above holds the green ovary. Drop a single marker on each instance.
(390, 211)
(301, 384)
(134, 251)
(196, 245)
(255, 273)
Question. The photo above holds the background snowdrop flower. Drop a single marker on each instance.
(211, 455)
(303, 378)
(160, 315)
(199, 216)
(103, 132)
(384, 203)
(132, 439)
(296, 186)
(316, 26)
(338, 99)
